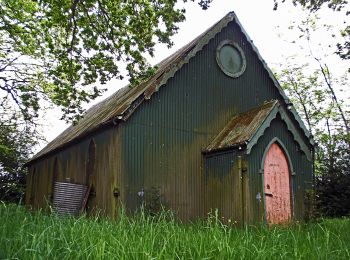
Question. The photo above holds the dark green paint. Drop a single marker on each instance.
(160, 146)
(302, 167)
(163, 139)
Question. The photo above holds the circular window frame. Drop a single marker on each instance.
(237, 47)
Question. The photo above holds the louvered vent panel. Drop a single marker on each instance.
(68, 198)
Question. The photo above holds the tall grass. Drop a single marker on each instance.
(27, 235)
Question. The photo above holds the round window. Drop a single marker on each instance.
(230, 58)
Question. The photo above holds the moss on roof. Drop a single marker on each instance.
(241, 128)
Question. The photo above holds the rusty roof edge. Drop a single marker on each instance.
(172, 68)
(253, 140)
(164, 77)
(276, 83)
(272, 112)
(219, 135)
(84, 135)
(115, 121)
(243, 145)
(204, 41)
(279, 109)
(198, 47)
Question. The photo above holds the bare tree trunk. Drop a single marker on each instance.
(302, 102)
(327, 79)
(330, 148)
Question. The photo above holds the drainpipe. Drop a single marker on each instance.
(240, 174)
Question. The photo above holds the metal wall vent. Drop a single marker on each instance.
(68, 198)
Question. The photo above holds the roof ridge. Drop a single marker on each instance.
(116, 106)
(99, 114)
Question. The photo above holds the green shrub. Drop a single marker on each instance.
(333, 186)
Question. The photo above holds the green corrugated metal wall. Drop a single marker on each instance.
(163, 138)
(223, 187)
(159, 147)
(72, 167)
(302, 179)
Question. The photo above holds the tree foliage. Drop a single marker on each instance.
(16, 141)
(315, 5)
(318, 90)
(333, 187)
(60, 50)
(320, 94)
(311, 96)
(340, 6)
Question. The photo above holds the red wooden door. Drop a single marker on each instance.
(277, 186)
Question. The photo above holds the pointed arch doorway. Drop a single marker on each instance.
(277, 185)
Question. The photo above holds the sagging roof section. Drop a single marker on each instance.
(121, 104)
(246, 128)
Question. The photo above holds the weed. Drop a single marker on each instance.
(39, 235)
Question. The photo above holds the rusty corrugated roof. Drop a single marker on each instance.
(241, 128)
(117, 105)
(122, 103)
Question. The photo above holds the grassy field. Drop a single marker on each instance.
(27, 235)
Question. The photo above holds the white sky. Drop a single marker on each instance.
(263, 25)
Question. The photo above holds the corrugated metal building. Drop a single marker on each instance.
(211, 130)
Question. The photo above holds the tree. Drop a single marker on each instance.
(317, 91)
(333, 187)
(341, 6)
(315, 5)
(58, 50)
(309, 93)
(303, 91)
(16, 140)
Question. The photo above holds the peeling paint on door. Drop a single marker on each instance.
(277, 186)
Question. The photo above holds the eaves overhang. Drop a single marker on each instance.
(243, 131)
(125, 101)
